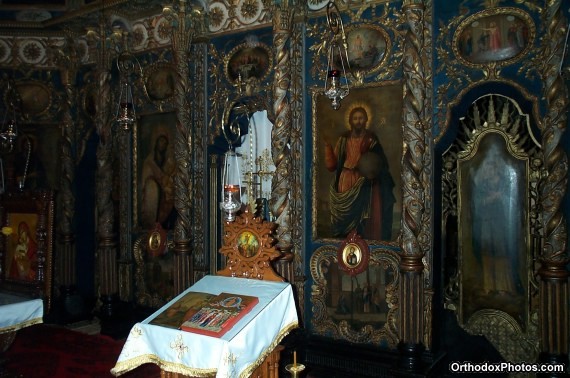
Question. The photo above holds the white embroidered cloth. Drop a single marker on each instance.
(235, 354)
(18, 312)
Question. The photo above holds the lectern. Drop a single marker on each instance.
(251, 347)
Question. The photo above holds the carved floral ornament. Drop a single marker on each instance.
(225, 15)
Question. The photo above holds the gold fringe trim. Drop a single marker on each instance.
(284, 332)
(18, 326)
(128, 365)
(133, 363)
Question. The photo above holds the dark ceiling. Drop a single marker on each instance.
(56, 16)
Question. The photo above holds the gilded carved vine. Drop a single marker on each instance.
(281, 133)
(66, 60)
(416, 230)
(181, 38)
(385, 17)
(200, 158)
(554, 255)
(556, 161)
(297, 147)
(106, 250)
(104, 181)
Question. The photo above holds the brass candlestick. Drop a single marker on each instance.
(295, 369)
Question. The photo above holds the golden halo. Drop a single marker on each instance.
(365, 106)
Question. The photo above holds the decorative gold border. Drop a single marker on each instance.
(243, 46)
(488, 13)
(315, 93)
(38, 204)
(152, 70)
(517, 153)
(458, 98)
(142, 121)
(324, 325)
(32, 90)
(156, 241)
(385, 58)
(356, 246)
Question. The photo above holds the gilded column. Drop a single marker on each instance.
(416, 168)
(553, 273)
(67, 61)
(181, 39)
(297, 208)
(107, 248)
(281, 133)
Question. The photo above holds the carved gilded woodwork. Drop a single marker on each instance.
(226, 16)
(199, 191)
(66, 59)
(340, 307)
(297, 207)
(462, 73)
(225, 93)
(506, 334)
(414, 316)
(150, 272)
(249, 247)
(383, 20)
(417, 242)
(280, 134)
(107, 276)
(479, 311)
(478, 42)
(224, 96)
(554, 256)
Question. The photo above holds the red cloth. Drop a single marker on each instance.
(46, 351)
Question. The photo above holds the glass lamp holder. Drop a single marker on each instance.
(127, 65)
(231, 190)
(335, 90)
(231, 193)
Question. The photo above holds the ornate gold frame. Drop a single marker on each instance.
(29, 91)
(36, 210)
(144, 296)
(497, 325)
(255, 78)
(374, 68)
(473, 19)
(258, 264)
(323, 323)
(383, 104)
(151, 86)
(144, 125)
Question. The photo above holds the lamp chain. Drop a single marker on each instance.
(29, 154)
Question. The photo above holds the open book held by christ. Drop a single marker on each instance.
(219, 314)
